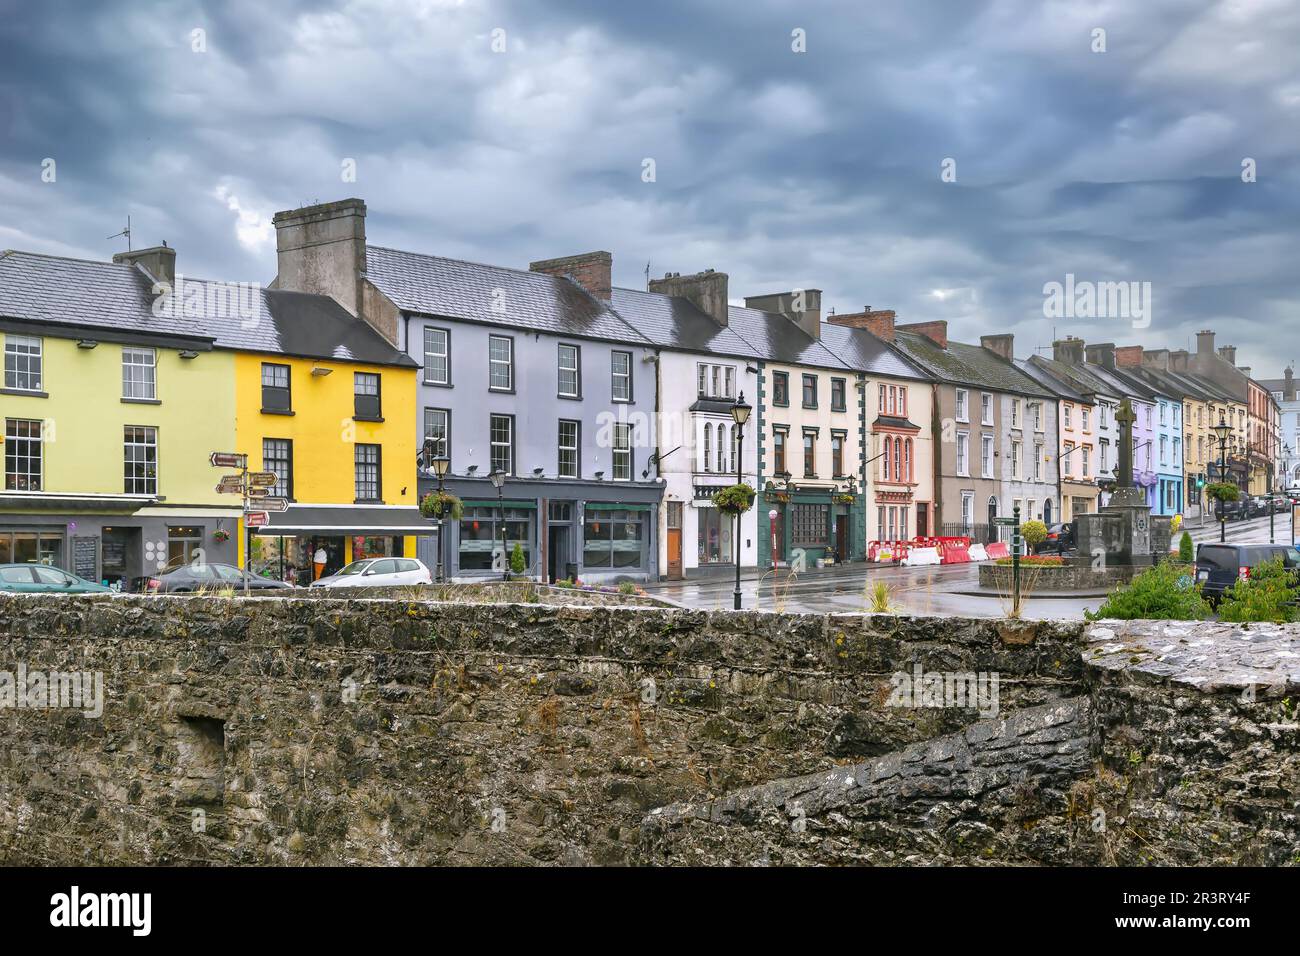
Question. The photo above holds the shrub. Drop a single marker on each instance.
(517, 562)
(1186, 553)
(1268, 594)
(878, 598)
(1163, 593)
(1034, 533)
(734, 499)
(1035, 561)
(627, 587)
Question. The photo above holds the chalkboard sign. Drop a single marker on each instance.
(85, 558)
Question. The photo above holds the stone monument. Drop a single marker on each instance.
(1121, 532)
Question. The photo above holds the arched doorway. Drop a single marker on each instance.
(993, 513)
(1047, 512)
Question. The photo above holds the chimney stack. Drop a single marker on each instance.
(1228, 353)
(879, 323)
(1128, 356)
(1002, 345)
(1156, 358)
(1102, 353)
(1205, 342)
(1288, 389)
(936, 332)
(1179, 360)
(1068, 351)
(591, 270)
(803, 307)
(707, 289)
(322, 250)
(158, 261)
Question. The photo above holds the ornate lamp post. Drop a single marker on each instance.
(1221, 432)
(439, 465)
(740, 415)
(498, 478)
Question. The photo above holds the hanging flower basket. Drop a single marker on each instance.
(442, 504)
(1222, 491)
(221, 534)
(782, 497)
(734, 499)
(844, 499)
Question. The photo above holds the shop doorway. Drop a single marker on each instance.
(557, 552)
(674, 540)
(841, 537)
(119, 553)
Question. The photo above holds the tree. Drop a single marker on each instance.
(517, 562)
(1186, 553)
(1034, 533)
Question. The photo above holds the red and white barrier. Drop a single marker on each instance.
(977, 553)
(997, 549)
(922, 556)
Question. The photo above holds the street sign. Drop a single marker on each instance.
(273, 504)
(255, 519)
(230, 485)
(257, 492)
(262, 479)
(1007, 522)
(228, 459)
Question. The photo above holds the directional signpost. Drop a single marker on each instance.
(1017, 547)
(273, 504)
(247, 486)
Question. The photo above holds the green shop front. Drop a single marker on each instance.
(548, 530)
(805, 526)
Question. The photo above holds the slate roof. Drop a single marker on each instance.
(1080, 377)
(861, 350)
(674, 322)
(778, 339)
(88, 294)
(1120, 384)
(967, 365)
(1058, 387)
(494, 295)
(83, 293)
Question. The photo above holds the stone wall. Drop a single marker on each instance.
(319, 731)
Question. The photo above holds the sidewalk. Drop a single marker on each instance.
(781, 574)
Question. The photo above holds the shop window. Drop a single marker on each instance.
(714, 536)
(809, 524)
(613, 540)
(183, 541)
(480, 536)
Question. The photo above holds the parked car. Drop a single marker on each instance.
(1060, 539)
(377, 573)
(1220, 566)
(43, 579)
(193, 577)
(1232, 510)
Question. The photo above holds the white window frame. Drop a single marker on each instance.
(24, 362)
(963, 454)
(495, 363)
(615, 376)
(561, 447)
(621, 451)
(147, 382)
(986, 408)
(444, 356)
(575, 369)
(986, 456)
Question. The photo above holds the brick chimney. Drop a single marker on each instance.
(1068, 351)
(707, 289)
(1205, 342)
(1128, 356)
(1002, 344)
(936, 332)
(1228, 353)
(158, 261)
(1288, 388)
(1156, 358)
(803, 307)
(879, 323)
(322, 249)
(591, 270)
(1102, 353)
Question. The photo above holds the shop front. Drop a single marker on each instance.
(114, 540)
(809, 526)
(550, 530)
(311, 541)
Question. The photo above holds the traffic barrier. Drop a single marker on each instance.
(956, 553)
(977, 553)
(921, 556)
(997, 549)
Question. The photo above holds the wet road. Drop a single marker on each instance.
(927, 590)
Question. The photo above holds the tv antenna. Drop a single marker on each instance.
(125, 232)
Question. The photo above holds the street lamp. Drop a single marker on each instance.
(1222, 431)
(439, 465)
(498, 478)
(739, 414)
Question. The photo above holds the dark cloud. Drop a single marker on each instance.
(784, 169)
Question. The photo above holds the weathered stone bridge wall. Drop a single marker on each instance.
(375, 732)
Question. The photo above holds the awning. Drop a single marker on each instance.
(347, 520)
(50, 501)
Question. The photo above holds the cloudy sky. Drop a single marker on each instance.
(508, 131)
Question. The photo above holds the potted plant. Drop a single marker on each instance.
(442, 504)
(221, 535)
(843, 499)
(734, 499)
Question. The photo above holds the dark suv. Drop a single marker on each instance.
(1220, 566)
(1059, 540)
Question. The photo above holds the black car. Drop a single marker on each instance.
(211, 577)
(1231, 510)
(1220, 566)
(1060, 539)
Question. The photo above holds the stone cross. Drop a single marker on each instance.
(1125, 418)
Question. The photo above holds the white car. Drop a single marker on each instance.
(378, 573)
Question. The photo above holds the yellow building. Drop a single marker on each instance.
(110, 411)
